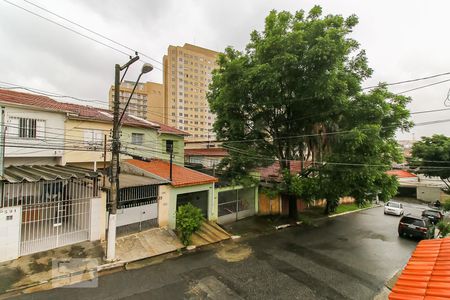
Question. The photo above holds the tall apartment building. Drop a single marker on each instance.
(187, 75)
(147, 101)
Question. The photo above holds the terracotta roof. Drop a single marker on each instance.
(206, 152)
(181, 176)
(401, 173)
(78, 111)
(427, 274)
(273, 172)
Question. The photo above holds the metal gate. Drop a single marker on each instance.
(236, 204)
(54, 213)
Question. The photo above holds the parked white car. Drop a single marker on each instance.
(393, 208)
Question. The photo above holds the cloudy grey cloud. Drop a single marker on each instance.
(403, 39)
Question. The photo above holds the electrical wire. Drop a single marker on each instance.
(90, 30)
(408, 81)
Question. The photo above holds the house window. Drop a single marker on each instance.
(27, 128)
(93, 137)
(169, 146)
(137, 138)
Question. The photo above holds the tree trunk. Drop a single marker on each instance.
(327, 208)
(293, 213)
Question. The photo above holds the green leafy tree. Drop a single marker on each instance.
(301, 76)
(444, 228)
(188, 220)
(431, 157)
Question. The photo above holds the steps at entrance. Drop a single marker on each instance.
(209, 233)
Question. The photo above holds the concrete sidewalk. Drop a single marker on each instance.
(81, 262)
(146, 244)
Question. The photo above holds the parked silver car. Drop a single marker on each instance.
(393, 208)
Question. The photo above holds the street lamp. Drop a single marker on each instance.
(115, 151)
(146, 68)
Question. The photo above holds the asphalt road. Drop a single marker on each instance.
(346, 257)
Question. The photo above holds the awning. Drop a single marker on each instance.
(16, 174)
(129, 180)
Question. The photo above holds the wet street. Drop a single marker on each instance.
(346, 257)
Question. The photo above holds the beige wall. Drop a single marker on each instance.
(75, 130)
(163, 205)
(147, 101)
(187, 75)
(155, 104)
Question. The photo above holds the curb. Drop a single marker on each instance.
(104, 267)
(353, 211)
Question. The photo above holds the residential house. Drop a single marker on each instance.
(139, 204)
(34, 133)
(418, 186)
(150, 139)
(186, 186)
(206, 157)
(235, 202)
(45, 207)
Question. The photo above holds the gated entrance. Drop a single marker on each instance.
(236, 204)
(54, 213)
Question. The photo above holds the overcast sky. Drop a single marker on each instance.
(403, 39)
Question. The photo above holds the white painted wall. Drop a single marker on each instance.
(137, 214)
(10, 220)
(50, 133)
(429, 193)
(97, 221)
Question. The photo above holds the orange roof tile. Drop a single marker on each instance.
(427, 274)
(181, 176)
(80, 111)
(206, 152)
(401, 173)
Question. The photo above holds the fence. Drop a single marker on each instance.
(54, 213)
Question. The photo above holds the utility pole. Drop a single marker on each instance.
(114, 178)
(115, 152)
(104, 159)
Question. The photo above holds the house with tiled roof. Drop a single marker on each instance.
(67, 133)
(34, 129)
(207, 157)
(184, 186)
(43, 131)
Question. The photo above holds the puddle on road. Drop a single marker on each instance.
(234, 252)
(376, 236)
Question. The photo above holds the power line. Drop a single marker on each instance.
(331, 133)
(423, 86)
(91, 31)
(67, 28)
(47, 93)
(408, 81)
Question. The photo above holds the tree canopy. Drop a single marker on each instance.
(431, 157)
(295, 94)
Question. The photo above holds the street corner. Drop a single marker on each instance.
(234, 252)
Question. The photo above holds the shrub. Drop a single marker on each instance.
(189, 220)
(444, 228)
(446, 205)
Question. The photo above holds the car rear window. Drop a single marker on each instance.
(408, 220)
(419, 223)
(393, 204)
(432, 213)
